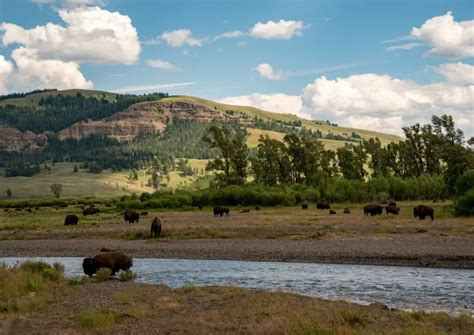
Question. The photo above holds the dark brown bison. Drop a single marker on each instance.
(71, 220)
(257, 208)
(347, 211)
(304, 205)
(90, 211)
(144, 213)
(332, 212)
(373, 210)
(115, 261)
(155, 228)
(200, 207)
(392, 203)
(323, 205)
(392, 209)
(220, 211)
(131, 217)
(422, 211)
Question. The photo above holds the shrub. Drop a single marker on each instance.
(128, 275)
(465, 182)
(464, 205)
(103, 274)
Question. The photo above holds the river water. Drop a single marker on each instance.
(429, 289)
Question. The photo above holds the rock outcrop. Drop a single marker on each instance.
(12, 139)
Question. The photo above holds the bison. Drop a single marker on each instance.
(115, 261)
(347, 211)
(323, 205)
(421, 211)
(155, 228)
(246, 210)
(220, 211)
(392, 209)
(392, 203)
(373, 210)
(332, 212)
(131, 217)
(90, 211)
(257, 208)
(304, 205)
(71, 220)
(144, 213)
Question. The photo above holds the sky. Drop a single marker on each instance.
(377, 65)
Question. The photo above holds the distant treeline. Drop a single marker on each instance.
(22, 95)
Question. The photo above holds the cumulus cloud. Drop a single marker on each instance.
(446, 37)
(161, 64)
(91, 34)
(457, 72)
(266, 71)
(180, 37)
(229, 34)
(282, 30)
(33, 72)
(6, 68)
(383, 103)
(50, 55)
(276, 102)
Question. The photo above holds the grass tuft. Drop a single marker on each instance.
(103, 274)
(95, 319)
(128, 275)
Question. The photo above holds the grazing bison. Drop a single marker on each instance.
(131, 217)
(155, 228)
(144, 213)
(373, 210)
(220, 211)
(71, 220)
(90, 211)
(323, 205)
(392, 209)
(332, 212)
(115, 261)
(347, 211)
(422, 211)
(392, 203)
(304, 205)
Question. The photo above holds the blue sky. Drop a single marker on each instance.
(317, 59)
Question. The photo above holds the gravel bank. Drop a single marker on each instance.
(403, 250)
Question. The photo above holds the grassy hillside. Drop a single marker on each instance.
(320, 125)
(83, 183)
(33, 99)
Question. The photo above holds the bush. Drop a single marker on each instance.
(465, 182)
(103, 274)
(128, 275)
(464, 205)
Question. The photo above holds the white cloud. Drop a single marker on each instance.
(266, 71)
(446, 37)
(180, 37)
(33, 72)
(282, 29)
(160, 64)
(135, 88)
(276, 102)
(6, 68)
(229, 34)
(383, 103)
(457, 73)
(70, 3)
(91, 34)
(406, 46)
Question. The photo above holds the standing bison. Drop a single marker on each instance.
(115, 261)
(90, 211)
(131, 217)
(347, 211)
(323, 205)
(422, 211)
(304, 205)
(373, 210)
(220, 211)
(332, 212)
(71, 220)
(155, 228)
(390, 209)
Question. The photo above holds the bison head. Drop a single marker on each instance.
(89, 266)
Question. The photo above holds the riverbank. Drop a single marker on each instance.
(112, 307)
(401, 250)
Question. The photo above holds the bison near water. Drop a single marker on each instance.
(373, 210)
(71, 220)
(131, 217)
(90, 211)
(115, 261)
(390, 209)
(422, 211)
(323, 205)
(220, 211)
(155, 228)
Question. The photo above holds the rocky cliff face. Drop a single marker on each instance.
(142, 118)
(12, 139)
